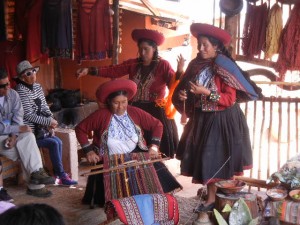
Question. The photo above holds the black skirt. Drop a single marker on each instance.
(169, 141)
(215, 145)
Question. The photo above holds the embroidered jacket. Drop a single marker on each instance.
(152, 89)
(99, 121)
(226, 81)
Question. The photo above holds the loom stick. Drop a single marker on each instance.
(121, 167)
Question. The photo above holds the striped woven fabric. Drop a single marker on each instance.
(146, 209)
(131, 181)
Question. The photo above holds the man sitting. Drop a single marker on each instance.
(18, 142)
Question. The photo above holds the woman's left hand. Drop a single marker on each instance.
(198, 89)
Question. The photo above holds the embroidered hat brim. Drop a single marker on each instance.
(107, 88)
(210, 30)
(148, 34)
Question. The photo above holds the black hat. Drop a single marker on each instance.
(231, 7)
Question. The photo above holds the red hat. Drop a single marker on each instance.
(152, 35)
(206, 29)
(105, 89)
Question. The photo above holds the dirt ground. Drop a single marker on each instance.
(68, 200)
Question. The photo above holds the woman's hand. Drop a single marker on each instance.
(198, 89)
(182, 95)
(180, 64)
(82, 72)
(153, 151)
(92, 157)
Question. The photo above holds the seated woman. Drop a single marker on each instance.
(37, 114)
(118, 138)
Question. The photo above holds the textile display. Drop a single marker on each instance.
(273, 32)
(289, 57)
(254, 33)
(146, 209)
(94, 37)
(57, 28)
(131, 181)
(287, 211)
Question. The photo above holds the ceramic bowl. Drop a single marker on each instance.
(295, 195)
(277, 194)
(230, 186)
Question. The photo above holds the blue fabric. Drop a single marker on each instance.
(54, 145)
(231, 67)
(145, 202)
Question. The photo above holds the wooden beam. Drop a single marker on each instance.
(152, 9)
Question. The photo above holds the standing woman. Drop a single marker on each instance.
(215, 144)
(152, 74)
(37, 113)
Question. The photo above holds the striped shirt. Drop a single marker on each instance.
(28, 96)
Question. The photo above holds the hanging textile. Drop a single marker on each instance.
(274, 28)
(254, 33)
(94, 37)
(57, 28)
(33, 42)
(289, 57)
(2, 22)
(11, 53)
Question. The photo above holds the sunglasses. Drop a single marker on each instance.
(4, 85)
(29, 73)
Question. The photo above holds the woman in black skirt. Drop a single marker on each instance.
(215, 144)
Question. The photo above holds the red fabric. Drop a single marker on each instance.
(33, 38)
(112, 86)
(254, 33)
(163, 75)
(152, 35)
(11, 53)
(94, 29)
(207, 29)
(100, 119)
(289, 57)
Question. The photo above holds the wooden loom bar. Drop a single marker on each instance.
(121, 167)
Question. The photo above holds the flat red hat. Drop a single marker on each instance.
(152, 35)
(105, 89)
(206, 29)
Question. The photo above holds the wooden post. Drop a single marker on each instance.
(116, 35)
(231, 24)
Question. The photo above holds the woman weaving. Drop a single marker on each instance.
(118, 138)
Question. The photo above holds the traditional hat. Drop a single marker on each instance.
(152, 35)
(105, 89)
(231, 7)
(206, 29)
(25, 65)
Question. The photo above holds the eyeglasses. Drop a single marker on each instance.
(29, 73)
(2, 86)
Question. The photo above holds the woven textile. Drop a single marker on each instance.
(287, 211)
(131, 181)
(147, 209)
